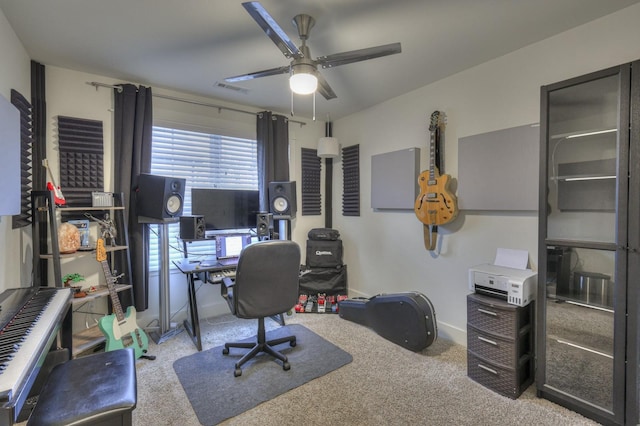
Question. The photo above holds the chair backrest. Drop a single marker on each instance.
(267, 279)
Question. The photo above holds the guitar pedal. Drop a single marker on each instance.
(321, 303)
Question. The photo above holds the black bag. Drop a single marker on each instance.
(324, 254)
(330, 281)
(323, 234)
(407, 319)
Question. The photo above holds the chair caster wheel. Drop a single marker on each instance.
(286, 366)
(292, 343)
(225, 351)
(237, 372)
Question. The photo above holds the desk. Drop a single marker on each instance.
(192, 269)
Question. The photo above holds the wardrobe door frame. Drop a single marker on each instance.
(625, 326)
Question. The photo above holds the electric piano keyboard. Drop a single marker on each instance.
(215, 277)
(30, 318)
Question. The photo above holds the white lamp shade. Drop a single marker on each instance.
(328, 148)
(303, 83)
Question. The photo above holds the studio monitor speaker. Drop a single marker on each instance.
(192, 227)
(264, 225)
(159, 197)
(282, 199)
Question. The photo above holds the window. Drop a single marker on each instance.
(205, 161)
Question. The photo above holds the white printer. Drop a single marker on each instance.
(516, 286)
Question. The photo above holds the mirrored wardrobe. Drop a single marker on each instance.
(587, 313)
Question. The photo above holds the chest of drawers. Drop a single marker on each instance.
(500, 344)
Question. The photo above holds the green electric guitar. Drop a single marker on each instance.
(120, 330)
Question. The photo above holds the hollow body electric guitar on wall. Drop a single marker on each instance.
(120, 330)
(436, 204)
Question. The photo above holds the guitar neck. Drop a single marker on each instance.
(115, 300)
(432, 155)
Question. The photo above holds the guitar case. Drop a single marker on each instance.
(407, 319)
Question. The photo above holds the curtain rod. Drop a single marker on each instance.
(188, 101)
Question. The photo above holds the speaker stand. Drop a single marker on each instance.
(283, 234)
(283, 229)
(165, 331)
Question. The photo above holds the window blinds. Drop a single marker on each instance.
(205, 161)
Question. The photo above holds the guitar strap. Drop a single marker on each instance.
(430, 234)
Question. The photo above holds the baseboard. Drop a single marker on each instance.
(452, 333)
(445, 331)
(213, 309)
(219, 307)
(205, 310)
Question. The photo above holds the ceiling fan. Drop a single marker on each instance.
(302, 68)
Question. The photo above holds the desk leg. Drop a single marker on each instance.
(279, 318)
(193, 328)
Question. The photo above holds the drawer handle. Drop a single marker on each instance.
(490, 370)
(484, 311)
(491, 342)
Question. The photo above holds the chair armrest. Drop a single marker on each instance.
(226, 288)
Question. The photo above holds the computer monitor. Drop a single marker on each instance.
(230, 246)
(226, 209)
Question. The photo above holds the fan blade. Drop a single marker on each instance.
(272, 29)
(358, 55)
(257, 74)
(324, 89)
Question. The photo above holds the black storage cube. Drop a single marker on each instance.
(324, 253)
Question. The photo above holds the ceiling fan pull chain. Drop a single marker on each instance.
(314, 106)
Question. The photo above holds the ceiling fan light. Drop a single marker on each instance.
(303, 83)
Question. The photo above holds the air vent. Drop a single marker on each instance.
(230, 87)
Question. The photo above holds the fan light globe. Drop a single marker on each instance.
(303, 83)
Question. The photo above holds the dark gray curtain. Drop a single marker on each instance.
(273, 153)
(133, 125)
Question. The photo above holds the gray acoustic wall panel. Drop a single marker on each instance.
(499, 170)
(394, 179)
(10, 158)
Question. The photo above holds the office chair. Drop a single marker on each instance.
(266, 284)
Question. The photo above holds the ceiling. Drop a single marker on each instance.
(190, 45)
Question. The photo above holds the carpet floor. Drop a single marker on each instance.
(385, 384)
(215, 394)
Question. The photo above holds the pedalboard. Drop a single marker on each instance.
(319, 303)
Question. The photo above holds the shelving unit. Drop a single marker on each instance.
(48, 259)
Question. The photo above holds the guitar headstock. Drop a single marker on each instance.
(438, 119)
(101, 253)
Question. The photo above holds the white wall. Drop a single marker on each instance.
(68, 94)
(15, 245)
(384, 250)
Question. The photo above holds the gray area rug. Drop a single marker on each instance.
(215, 394)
